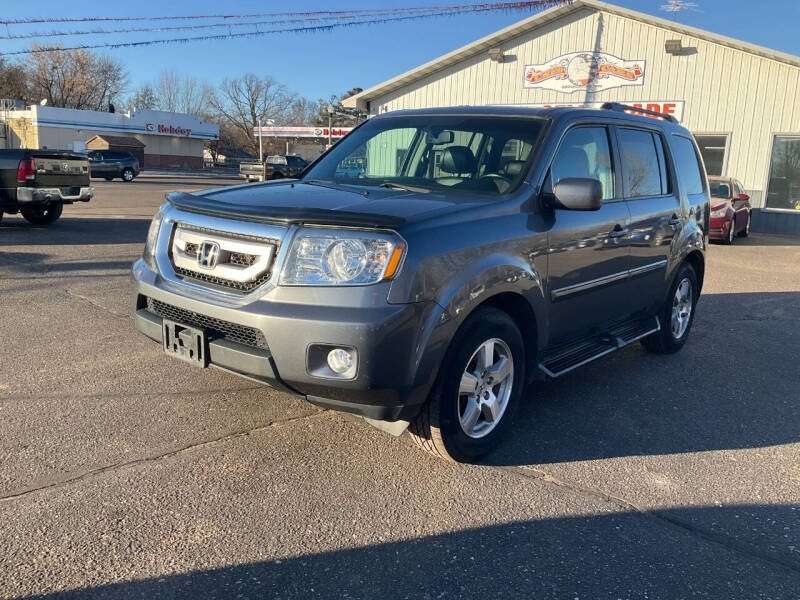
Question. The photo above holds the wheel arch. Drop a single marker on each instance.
(698, 262)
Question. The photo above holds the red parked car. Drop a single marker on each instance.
(730, 209)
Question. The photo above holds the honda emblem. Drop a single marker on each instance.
(208, 255)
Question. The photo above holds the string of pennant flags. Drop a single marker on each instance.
(300, 22)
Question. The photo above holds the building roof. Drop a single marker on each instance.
(118, 140)
(493, 40)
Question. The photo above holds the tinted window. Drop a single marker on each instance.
(640, 165)
(720, 189)
(687, 164)
(477, 154)
(585, 153)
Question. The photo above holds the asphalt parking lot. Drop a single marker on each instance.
(129, 475)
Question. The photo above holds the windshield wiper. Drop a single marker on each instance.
(400, 186)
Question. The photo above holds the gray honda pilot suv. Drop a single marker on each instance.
(434, 262)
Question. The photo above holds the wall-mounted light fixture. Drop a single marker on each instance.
(673, 47)
(496, 54)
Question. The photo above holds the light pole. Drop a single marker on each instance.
(330, 125)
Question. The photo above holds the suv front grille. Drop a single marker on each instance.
(241, 334)
(242, 262)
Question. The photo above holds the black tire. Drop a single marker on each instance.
(437, 429)
(665, 341)
(729, 238)
(108, 178)
(43, 214)
(127, 175)
(746, 231)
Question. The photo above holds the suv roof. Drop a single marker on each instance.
(553, 113)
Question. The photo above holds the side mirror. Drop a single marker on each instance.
(744, 197)
(578, 193)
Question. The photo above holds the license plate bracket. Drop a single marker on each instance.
(186, 343)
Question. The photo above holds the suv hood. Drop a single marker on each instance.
(295, 201)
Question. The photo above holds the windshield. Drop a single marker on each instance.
(486, 155)
(720, 189)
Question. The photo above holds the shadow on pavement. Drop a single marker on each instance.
(69, 231)
(734, 385)
(620, 555)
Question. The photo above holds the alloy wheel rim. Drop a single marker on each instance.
(127, 176)
(681, 308)
(485, 388)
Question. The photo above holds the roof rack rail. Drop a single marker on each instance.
(625, 108)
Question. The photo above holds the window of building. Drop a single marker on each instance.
(687, 164)
(640, 164)
(713, 149)
(585, 153)
(783, 189)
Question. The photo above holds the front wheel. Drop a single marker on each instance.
(477, 391)
(731, 232)
(43, 214)
(677, 315)
(127, 175)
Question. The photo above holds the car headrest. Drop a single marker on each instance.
(573, 162)
(513, 168)
(457, 159)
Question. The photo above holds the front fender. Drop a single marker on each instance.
(493, 275)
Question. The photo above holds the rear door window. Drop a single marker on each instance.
(641, 169)
(585, 153)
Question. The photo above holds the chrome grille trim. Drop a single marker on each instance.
(246, 230)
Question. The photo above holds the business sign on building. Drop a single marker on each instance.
(669, 107)
(305, 132)
(584, 71)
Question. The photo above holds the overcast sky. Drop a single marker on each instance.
(318, 64)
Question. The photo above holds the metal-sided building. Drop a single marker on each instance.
(741, 101)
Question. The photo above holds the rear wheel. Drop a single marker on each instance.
(127, 175)
(677, 315)
(477, 391)
(43, 214)
(109, 178)
(746, 231)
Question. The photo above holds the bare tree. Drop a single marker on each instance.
(341, 117)
(12, 81)
(242, 102)
(143, 98)
(182, 93)
(75, 79)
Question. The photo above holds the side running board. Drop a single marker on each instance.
(563, 359)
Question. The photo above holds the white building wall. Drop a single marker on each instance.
(725, 90)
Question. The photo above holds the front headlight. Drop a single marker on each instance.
(149, 254)
(342, 257)
(720, 212)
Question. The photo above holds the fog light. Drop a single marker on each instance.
(340, 361)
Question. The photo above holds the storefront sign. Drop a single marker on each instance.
(584, 71)
(307, 132)
(168, 129)
(670, 107)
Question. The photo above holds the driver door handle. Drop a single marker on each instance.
(618, 231)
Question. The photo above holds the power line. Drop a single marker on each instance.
(453, 10)
(102, 31)
(315, 13)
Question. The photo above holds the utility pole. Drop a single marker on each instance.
(260, 145)
(330, 125)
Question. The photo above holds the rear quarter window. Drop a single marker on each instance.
(688, 165)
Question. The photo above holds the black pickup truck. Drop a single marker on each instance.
(37, 183)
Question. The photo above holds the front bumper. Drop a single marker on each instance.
(27, 195)
(387, 385)
(718, 227)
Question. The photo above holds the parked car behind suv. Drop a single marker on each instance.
(110, 164)
(476, 250)
(730, 209)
